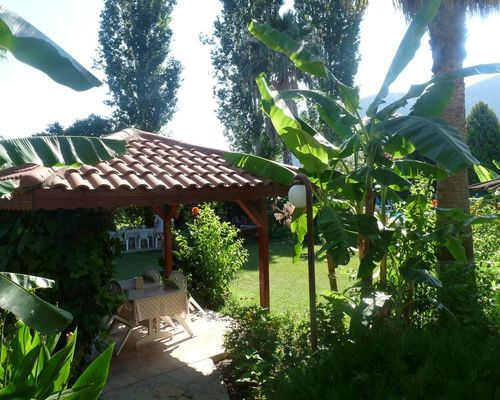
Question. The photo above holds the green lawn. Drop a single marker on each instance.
(289, 282)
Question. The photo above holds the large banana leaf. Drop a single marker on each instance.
(31, 309)
(59, 150)
(434, 86)
(6, 187)
(313, 155)
(420, 276)
(452, 229)
(296, 52)
(484, 174)
(29, 282)
(434, 101)
(340, 231)
(389, 178)
(406, 50)
(261, 166)
(336, 117)
(433, 138)
(32, 47)
(302, 59)
(414, 168)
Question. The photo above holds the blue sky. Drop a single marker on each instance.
(30, 100)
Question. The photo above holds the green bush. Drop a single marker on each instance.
(210, 254)
(486, 249)
(73, 248)
(487, 257)
(399, 364)
(261, 345)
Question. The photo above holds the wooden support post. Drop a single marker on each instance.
(166, 213)
(264, 257)
(258, 215)
(168, 246)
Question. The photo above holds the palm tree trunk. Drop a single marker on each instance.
(448, 36)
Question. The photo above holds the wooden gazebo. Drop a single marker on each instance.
(157, 172)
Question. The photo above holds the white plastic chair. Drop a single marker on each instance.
(143, 236)
(152, 275)
(123, 314)
(180, 280)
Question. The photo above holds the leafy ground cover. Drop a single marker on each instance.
(289, 284)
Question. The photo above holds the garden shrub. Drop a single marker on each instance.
(71, 247)
(390, 363)
(210, 254)
(487, 257)
(486, 249)
(261, 345)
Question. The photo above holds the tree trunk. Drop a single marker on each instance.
(332, 276)
(448, 36)
(364, 243)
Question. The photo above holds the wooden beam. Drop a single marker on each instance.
(263, 240)
(52, 199)
(167, 211)
(251, 211)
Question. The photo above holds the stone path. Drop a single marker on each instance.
(181, 368)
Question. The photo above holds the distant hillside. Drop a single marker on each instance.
(487, 90)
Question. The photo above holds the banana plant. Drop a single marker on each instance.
(31, 369)
(32, 47)
(370, 163)
(17, 297)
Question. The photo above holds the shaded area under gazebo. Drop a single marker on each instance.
(157, 172)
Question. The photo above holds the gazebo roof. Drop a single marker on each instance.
(156, 171)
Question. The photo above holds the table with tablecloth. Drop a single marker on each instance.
(154, 301)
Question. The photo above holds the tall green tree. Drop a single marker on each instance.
(483, 136)
(134, 47)
(237, 58)
(448, 33)
(93, 125)
(331, 30)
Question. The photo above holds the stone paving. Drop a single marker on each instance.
(181, 368)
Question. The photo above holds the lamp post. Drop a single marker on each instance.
(300, 195)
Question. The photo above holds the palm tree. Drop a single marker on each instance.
(448, 34)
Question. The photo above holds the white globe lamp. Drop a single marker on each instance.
(297, 196)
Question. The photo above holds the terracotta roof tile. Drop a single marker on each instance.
(153, 182)
(153, 162)
(105, 169)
